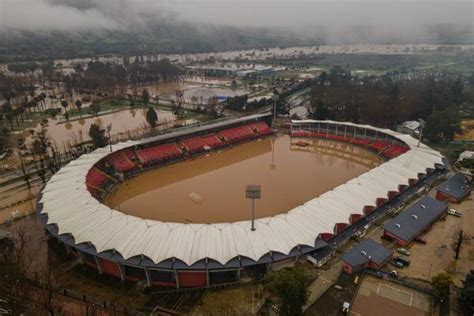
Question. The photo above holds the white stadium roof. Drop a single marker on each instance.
(70, 206)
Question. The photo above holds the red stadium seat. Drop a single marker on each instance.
(261, 128)
(237, 134)
(198, 144)
(122, 160)
(159, 153)
(95, 180)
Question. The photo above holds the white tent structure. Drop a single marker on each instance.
(69, 205)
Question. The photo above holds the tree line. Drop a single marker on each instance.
(385, 102)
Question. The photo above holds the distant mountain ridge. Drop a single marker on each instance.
(168, 38)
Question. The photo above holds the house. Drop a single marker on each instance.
(466, 155)
(366, 254)
(410, 127)
(415, 220)
(455, 189)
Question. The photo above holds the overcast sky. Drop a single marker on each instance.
(403, 16)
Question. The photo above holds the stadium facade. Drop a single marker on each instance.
(198, 255)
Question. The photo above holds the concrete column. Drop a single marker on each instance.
(68, 248)
(177, 278)
(148, 277)
(207, 277)
(122, 272)
(98, 262)
(82, 258)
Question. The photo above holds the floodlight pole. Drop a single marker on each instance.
(253, 192)
(253, 215)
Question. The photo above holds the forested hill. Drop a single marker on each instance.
(173, 38)
(197, 38)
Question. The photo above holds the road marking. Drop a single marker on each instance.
(396, 290)
(324, 279)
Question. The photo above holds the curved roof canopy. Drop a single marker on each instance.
(70, 206)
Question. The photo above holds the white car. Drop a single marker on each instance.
(454, 212)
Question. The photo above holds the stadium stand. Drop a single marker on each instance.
(157, 154)
(122, 160)
(261, 128)
(385, 148)
(394, 151)
(237, 134)
(199, 144)
(97, 182)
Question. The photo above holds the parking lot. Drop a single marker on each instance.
(438, 254)
(380, 297)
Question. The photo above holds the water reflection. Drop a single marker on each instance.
(289, 174)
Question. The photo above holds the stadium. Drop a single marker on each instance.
(203, 253)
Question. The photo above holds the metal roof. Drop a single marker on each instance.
(409, 224)
(458, 186)
(366, 251)
(68, 204)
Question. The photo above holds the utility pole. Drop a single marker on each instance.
(275, 98)
(422, 125)
(109, 128)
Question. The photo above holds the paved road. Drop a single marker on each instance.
(325, 280)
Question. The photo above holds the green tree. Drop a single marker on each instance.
(290, 285)
(94, 108)
(97, 135)
(151, 116)
(65, 104)
(466, 297)
(441, 284)
(78, 104)
(442, 125)
(145, 97)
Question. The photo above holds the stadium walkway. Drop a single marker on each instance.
(325, 280)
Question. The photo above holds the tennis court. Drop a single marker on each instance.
(381, 297)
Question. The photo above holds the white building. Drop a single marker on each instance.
(410, 127)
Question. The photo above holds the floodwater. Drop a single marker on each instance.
(203, 93)
(211, 189)
(124, 121)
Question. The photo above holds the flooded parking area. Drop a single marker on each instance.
(211, 188)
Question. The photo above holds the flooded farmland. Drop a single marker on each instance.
(123, 121)
(212, 188)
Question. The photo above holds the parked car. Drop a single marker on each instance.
(421, 240)
(397, 264)
(454, 212)
(394, 273)
(403, 251)
(403, 260)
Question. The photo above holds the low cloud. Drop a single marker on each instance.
(336, 20)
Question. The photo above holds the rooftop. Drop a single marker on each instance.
(416, 218)
(458, 186)
(367, 250)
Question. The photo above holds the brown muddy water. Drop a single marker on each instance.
(122, 121)
(211, 189)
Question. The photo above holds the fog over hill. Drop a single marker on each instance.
(44, 27)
